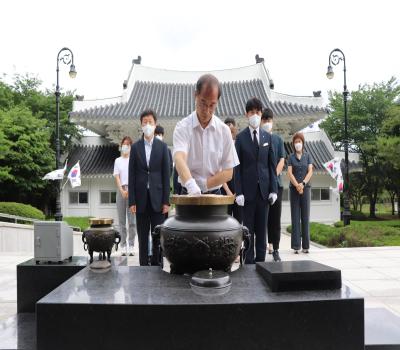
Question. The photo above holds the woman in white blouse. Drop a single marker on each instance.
(121, 166)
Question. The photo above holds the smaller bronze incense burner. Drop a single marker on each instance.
(100, 237)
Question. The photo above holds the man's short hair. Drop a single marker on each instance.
(267, 114)
(207, 80)
(159, 130)
(147, 112)
(254, 103)
(229, 120)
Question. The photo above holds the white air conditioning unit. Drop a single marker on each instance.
(53, 241)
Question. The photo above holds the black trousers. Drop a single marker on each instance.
(145, 223)
(274, 221)
(255, 215)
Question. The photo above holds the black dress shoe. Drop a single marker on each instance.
(275, 255)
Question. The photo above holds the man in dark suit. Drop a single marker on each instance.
(255, 179)
(149, 169)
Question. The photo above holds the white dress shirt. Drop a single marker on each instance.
(209, 150)
(148, 145)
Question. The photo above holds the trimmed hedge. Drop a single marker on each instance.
(339, 224)
(20, 209)
(357, 234)
(358, 215)
(78, 221)
(324, 234)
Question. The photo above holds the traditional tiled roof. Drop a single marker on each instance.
(99, 160)
(318, 151)
(171, 100)
(94, 160)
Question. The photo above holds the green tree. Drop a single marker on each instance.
(357, 189)
(25, 101)
(392, 186)
(389, 139)
(389, 151)
(6, 96)
(367, 111)
(43, 105)
(26, 155)
(4, 148)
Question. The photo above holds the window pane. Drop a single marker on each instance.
(83, 197)
(104, 197)
(285, 195)
(73, 197)
(113, 197)
(325, 194)
(315, 194)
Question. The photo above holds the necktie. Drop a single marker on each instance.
(255, 139)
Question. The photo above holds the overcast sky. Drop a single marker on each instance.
(294, 37)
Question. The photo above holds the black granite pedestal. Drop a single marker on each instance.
(382, 331)
(299, 275)
(147, 308)
(34, 281)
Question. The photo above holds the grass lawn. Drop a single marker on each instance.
(357, 234)
(78, 221)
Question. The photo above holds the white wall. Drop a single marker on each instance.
(93, 208)
(321, 211)
(18, 238)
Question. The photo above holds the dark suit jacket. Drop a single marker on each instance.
(255, 170)
(170, 162)
(156, 175)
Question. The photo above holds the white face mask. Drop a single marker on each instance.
(125, 149)
(159, 137)
(254, 121)
(298, 146)
(267, 127)
(148, 130)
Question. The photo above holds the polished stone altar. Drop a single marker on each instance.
(151, 309)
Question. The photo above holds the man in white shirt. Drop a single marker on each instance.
(204, 152)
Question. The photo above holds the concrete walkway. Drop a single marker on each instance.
(374, 273)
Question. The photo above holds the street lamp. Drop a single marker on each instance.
(335, 57)
(65, 56)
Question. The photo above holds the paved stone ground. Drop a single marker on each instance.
(374, 273)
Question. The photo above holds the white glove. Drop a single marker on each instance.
(272, 198)
(192, 187)
(240, 200)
